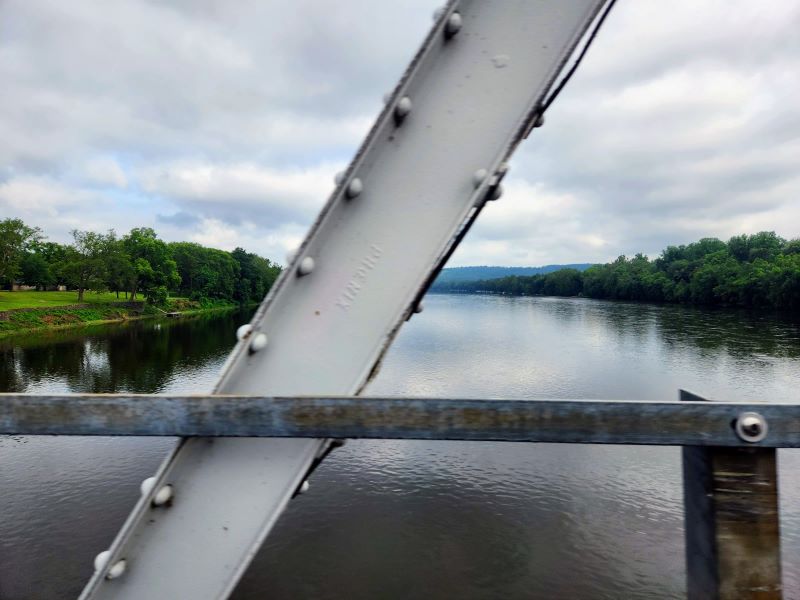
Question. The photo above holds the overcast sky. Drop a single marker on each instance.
(224, 122)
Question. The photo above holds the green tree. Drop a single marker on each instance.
(85, 266)
(34, 270)
(119, 268)
(16, 239)
(153, 267)
(55, 255)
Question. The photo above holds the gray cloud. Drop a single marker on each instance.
(224, 124)
(179, 219)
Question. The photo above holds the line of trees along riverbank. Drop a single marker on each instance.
(760, 271)
(138, 264)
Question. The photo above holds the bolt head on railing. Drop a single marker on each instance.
(751, 427)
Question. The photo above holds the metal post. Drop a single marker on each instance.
(731, 516)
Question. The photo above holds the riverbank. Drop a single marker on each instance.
(28, 319)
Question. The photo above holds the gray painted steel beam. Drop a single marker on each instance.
(430, 162)
(568, 421)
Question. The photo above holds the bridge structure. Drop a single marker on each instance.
(480, 84)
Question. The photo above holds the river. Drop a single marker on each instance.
(407, 519)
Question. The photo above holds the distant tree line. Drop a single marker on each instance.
(760, 270)
(138, 264)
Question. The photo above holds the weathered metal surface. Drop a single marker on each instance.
(568, 421)
(731, 520)
(473, 89)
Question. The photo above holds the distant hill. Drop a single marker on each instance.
(458, 274)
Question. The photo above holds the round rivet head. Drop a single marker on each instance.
(419, 308)
(241, 333)
(338, 178)
(163, 495)
(306, 266)
(496, 192)
(751, 427)
(355, 188)
(479, 176)
(147, 485)
(402, 109)
(304, 487)
(437, 14)
(453, 25)
(539, 120)
(101, 561)
(290, 256)
(259, 342)
(117, 570)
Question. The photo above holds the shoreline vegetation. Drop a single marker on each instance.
(760, 271)
(105, 278)
(39, 319)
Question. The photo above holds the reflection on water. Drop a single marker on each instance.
(417, 519)
(138, 356)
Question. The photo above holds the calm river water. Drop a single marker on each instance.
(417, 519)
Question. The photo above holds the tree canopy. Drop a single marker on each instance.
(16, 239)
(137, 264)
(759, 270)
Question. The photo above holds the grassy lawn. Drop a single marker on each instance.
(11, 300)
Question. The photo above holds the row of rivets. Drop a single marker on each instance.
(259, 342)
(162, 496)
(454, 22)
(496, 189)
(356, 187)
(101, 560)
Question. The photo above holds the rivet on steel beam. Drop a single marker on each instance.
(402, 109)
(163, 496)
(751, 427)
(241, 333)
(479, 176)
(386, 97)
(437, 14)
(259, 342)
(101, 560)
(419, 308)
(304, 487)
(495, 192)
(338, 178)
(355, 188)
(147, 485)
(539, 120)
(453, 25)
(290, 256)
(306, 266)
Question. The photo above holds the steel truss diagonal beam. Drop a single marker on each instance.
(435, 155)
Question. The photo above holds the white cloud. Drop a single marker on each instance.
(105, 171)
(244, 192)
(224, 124)
(275, 243)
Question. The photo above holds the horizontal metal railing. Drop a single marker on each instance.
(569, 421)
(730, 477)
